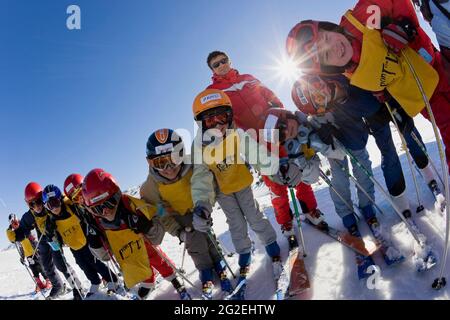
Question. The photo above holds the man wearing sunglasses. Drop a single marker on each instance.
(169, 183)
(251, 100)
(133, 232)
(35, 218)
(64, 224)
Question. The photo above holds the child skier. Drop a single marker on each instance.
(221, 168)
(27, 253)
(63, 224)
(169, 184)
(132, 231)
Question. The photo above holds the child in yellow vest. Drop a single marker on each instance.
(169, 184)
(64, 226)
(132, 231)
(217, 151)
(26, 249)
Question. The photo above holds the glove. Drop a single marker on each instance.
(22, 260)
(395, 37)
(325, 133)
(405, 123)
(30, 261)
(139, 224)
(289, 174)
(201, 220)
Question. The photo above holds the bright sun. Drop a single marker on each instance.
(286, 69)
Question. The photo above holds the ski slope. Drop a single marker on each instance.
(331, 266)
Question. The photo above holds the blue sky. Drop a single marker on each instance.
(75, 100)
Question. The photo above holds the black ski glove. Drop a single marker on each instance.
(139, 224)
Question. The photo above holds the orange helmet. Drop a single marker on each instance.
(209, 99)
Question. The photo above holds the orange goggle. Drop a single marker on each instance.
(164, 162)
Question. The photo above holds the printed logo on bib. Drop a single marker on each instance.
(388, 69)
(131, 247)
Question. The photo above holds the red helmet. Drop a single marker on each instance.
(33, 191)
(72, 184)
(98, 186)
(301, 46)
(313, 94)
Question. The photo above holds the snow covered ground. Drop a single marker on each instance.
(331, 266)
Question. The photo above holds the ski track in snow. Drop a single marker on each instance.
(331, 266)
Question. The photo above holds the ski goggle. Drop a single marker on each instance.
(319, 92)
(222, 115)
(35, 203)
(218, 63)
(76, 196)
(164, 162)
(53, 203)
(111, 203)
(301, 45)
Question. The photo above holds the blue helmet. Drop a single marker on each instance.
(51, 191)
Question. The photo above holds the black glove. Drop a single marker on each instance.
(326, 133)
(405, 122)
(139, 224)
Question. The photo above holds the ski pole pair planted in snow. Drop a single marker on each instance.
(439, 282)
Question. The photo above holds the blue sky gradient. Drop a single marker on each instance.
(76, 100)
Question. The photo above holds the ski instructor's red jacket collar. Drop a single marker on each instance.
(250, 99)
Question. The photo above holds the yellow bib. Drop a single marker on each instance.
(40, 222)
(224, 160)
(71, 232)
(131, 254)
(178, 194)
(11, 235)
(380, 69)
(145, 208)
(27, 247)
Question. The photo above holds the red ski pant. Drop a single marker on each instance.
(280, 199)
(440, 104)
(158, 263)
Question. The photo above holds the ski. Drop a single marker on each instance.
(240, 288)
(363, 263)
(298, 279)
(356, 244)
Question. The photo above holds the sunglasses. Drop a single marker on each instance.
(53, 203)
(111, 203)
(35, 203)
(218, 63)
(163, 162)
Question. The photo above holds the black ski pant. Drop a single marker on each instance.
(92, 267)
(46, 259)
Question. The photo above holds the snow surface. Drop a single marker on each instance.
(331, 266)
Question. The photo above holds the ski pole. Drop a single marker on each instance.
(360, 187)
(219, 251)
(297, 217)
(422, 147)
(177, 271)
(182, 259)
(384, 192)
(37, 245)
(439, 282)
(408, 156)
(28, 270)
(73, 277)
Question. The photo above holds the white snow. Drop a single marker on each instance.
(331, 266)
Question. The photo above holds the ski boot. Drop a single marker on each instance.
(143, 292)
(315, 216)
(77, 294)
(93, 290)
(39, 284)
(48, 284)
(184, 295)
(242, 283)
(207, 290)
(225, 283)
(288, 231)
(55, 293)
